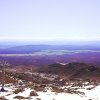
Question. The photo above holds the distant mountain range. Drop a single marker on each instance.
(24, 49)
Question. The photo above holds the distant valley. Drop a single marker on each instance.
(41, 55)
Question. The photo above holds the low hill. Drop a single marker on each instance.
(74, 70)
(36, 48)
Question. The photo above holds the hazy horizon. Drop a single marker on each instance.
(30, 42)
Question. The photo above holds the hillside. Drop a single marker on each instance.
(58, 80)
(74, 71)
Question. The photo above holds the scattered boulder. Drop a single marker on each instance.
(33, 93)
(38, 98)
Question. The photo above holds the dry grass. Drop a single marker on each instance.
(39, 88)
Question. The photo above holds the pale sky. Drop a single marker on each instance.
(50, 20)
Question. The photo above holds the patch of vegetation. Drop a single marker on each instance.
(57, 89)
(18, 90)
(39, 87)
(21, 97)
(3, 98)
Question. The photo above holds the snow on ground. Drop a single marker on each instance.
(93, 94)
(59, 96)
